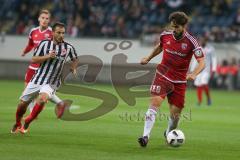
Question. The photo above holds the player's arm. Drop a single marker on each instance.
(157, 50)
(74, 61)
(28, 48)
(74, 65)
(40, 59)
(40, 56)
(197, 70)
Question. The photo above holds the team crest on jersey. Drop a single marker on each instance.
(184, 45)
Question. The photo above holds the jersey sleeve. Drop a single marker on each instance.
(198, 53)
(161, 38)
(197, 49)
(166, 32)
(40, 50)
(30, 34)
(50, 32)
(72, 53)
(29, 46)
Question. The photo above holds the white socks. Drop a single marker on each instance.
(172, 124)
(149, 121)
(150, 118)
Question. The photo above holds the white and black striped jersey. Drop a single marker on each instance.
(50, 70)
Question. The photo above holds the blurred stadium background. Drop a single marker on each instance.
(97, 22)
(91, 26)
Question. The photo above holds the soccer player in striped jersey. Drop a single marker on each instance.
(52, 55)
(178, 47)
(36, 35)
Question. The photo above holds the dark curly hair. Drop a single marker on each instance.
(179, 18)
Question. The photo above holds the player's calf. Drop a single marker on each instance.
(40, 102)
(42, 99)
(21, 110)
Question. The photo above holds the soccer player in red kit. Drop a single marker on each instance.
(36, 35)
(178, 47)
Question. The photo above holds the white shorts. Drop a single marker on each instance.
(202, 79)
(32, 91)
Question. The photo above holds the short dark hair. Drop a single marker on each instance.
(58, 24)
(179, 18)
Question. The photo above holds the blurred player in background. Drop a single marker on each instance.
(178, 47)
(36, 35)
(202, 80)
(52, 54)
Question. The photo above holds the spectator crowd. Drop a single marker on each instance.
(217, 19)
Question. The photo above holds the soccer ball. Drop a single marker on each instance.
(175, 138)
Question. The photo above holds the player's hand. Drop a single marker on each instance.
(74, 71)
(144, 61)
(191, 77)
(23, 54)
(52, 54)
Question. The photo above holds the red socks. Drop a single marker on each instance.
(206, 89)
(36, 110)
(199, 94)
(200, 89)
(21, 110)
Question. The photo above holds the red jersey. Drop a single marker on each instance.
(177, 55)
(35, 37)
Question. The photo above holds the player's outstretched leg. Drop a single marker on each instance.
(148, 125)
(40, 102)
(61, 106)
(150, 118)
(21, 110)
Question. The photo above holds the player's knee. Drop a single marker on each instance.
(156, 101)
(42, 99)
(23, 104)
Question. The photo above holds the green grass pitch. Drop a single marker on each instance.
(211, 132)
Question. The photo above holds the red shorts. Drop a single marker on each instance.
(29, 74)
(175, 92)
